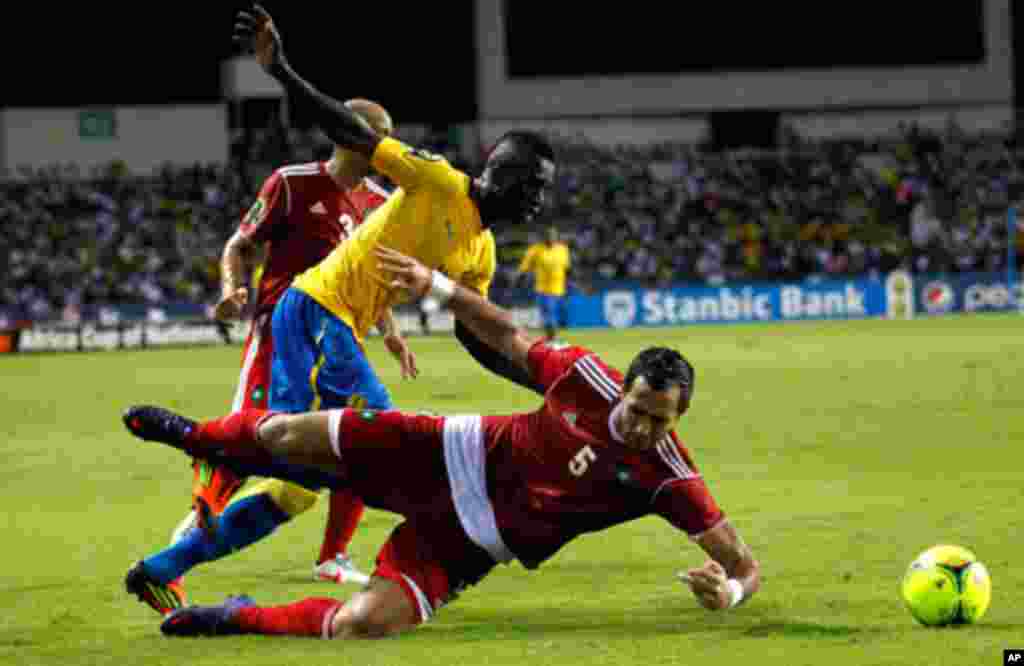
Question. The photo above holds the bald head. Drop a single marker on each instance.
(373, 113)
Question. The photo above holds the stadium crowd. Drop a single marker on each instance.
(653, 214)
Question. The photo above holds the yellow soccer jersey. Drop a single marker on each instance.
(430, 217)
(549, 265)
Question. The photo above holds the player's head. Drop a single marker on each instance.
(516, 180)
(378, 118)
(656, 392)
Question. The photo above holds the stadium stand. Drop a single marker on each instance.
(651, 214)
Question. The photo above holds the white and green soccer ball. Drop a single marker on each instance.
(946, 585)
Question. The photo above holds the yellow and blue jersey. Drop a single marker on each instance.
(430, 216)
(550, 266)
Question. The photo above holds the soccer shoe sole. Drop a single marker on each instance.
(163, 599)
(205, 620)
(156, 424)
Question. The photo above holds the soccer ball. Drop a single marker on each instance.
(946, 585)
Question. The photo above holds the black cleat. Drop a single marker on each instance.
(156, 424)
(206, 620)
(161, 597)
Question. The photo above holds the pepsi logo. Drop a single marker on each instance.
(937, 297)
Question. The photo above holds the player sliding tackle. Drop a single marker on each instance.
(476, 491)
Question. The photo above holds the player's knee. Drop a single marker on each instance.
(274, 429)
(378, 611)
(361, 622)
(282, 433)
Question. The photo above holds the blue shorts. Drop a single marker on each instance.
(317, 363)
(550, 309)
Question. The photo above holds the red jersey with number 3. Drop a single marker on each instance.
(562, 471)
(302, 215)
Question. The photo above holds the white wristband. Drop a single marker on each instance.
(736, 589)
(441, 287)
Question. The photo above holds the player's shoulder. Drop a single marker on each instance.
(672, 455)
(372, 192)
(592, 369)
(298, 171)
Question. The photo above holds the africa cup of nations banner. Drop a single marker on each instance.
(673, 306)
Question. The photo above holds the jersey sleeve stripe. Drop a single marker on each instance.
(670, 454)
(375, 188)
(598, 378)
(311, 169)
(288, 196)
(595, 382)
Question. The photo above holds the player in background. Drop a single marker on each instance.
(439, 215)
(301, 213)
(549, 263)
(477, 491)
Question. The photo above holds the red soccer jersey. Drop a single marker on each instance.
(560, 472)
(301, 215)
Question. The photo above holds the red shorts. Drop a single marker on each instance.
(395, 462)
(254, 380)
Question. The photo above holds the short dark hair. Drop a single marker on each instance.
(661, 368)
(533, 141)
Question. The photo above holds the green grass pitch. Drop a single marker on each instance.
(840, 450)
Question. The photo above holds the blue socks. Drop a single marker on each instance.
(243, 522)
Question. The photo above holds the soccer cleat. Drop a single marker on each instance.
(163, 598)
(340, 569)
(206, 620)
(212, 489)
(156, 424)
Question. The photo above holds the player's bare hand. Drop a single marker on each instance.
(399, 348)
(709, 584)
(256, 33)
(408, 274)
(231, 306)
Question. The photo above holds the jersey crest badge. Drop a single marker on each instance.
(318, 208)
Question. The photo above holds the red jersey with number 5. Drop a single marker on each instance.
(562, 470)
(301, 215)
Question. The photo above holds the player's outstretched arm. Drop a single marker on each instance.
(493, 360)
(731, 575)
(255, 31)
(492, 324)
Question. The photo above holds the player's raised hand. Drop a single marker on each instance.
(256, 33)
(231, 306)
(709, 584)
(408, 274)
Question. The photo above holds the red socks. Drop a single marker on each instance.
(309, 617)
(343, 515)
(235, 434)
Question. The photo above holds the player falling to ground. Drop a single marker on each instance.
(302, 212)
(549, 263)
(439, 215)
(477, 491)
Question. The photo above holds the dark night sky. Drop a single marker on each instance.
(139, 54)
(423, 67)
